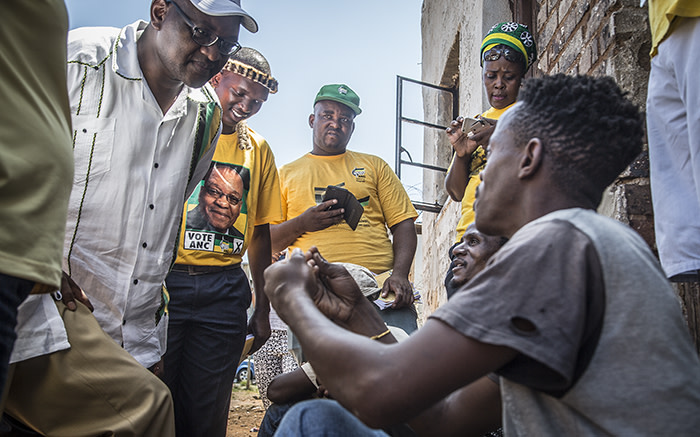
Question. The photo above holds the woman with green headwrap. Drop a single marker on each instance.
(507, 52)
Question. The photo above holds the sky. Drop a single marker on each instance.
(364, 44)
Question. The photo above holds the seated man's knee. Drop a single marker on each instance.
(315, 414)
(273, 416)
(322, 417)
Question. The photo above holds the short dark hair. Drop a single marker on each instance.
(587, 126)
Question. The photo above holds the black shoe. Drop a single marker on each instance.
(10, 427)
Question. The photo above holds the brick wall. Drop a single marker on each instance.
(604, 37)
(611, 37)
(451, 36)
(596, 37)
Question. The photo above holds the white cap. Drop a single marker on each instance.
(221, 8)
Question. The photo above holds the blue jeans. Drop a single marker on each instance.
(273, 416)
(13, 291)
(206, 332)
(404, 318)
(323, 417)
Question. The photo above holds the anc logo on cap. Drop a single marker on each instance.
(341, 93)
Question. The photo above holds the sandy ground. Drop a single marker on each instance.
(245, 413)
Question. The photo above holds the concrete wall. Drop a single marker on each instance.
(596, 37)
(452, 33)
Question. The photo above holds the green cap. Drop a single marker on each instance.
(340, 93)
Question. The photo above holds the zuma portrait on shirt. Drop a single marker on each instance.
(212, 221)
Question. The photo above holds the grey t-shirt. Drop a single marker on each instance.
(625, 367)
(533, 298)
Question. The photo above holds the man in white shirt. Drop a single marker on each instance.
(143, 137)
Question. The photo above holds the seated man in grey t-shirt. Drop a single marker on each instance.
(468, 258)
(574, 313)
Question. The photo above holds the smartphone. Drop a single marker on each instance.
(472, 124)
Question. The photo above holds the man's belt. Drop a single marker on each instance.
(202, 270)
(42, 289)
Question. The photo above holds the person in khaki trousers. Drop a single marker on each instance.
(144, 132)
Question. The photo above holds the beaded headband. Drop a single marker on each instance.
(253, 74)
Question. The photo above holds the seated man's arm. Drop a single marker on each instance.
(351, 365)
(315, 218)
(474, 410)
(297, 385)
(404, 245)
(290, 387)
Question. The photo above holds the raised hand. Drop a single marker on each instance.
(482, 137)
(465, 143)
(338, 294)
(461, 141)
(287, 279)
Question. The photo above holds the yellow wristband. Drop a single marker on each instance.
(378, 336)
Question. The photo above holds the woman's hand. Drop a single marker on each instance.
(461, 142)
(482, 136)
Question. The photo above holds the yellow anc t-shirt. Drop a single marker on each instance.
(260, 205)
(477, 164)
(371, 180)
(662, 14)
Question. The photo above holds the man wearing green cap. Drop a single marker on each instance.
(310, 221)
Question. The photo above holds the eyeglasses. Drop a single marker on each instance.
(206, 38)
(511, 55)
(216, 194)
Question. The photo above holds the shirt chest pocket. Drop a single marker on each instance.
(93, 145)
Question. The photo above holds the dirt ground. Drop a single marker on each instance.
(245, 413)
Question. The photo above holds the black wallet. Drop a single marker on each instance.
(348, 201)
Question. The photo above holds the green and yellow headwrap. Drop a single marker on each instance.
(514, 35)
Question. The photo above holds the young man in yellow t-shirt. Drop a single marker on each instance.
(310, 222)
(229, 212)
